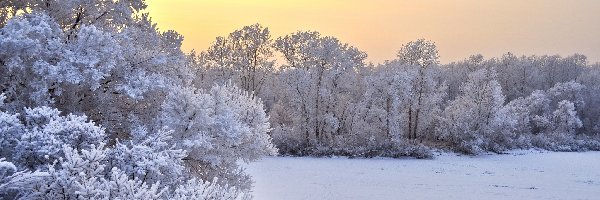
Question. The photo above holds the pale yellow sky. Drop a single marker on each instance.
(379, 27)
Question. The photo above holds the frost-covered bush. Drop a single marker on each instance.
(86, 175)
(150, 157)
(83, 174)
(45, 133)
(40, 63)
(560, 133)
(288, 144)
(218, 129)
(36, 138)
(71, 161)
(473, 122)
(393, 150)
(113, 73)
(549, 119)
(14, 182)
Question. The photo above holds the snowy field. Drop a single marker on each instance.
(517, 175)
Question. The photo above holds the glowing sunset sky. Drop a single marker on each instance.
(379, 27)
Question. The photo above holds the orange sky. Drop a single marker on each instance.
(379, 27)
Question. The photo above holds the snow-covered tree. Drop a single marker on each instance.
(387, 95)
(549, 119)
(526, 116)
(454, 73)
(38, 63)
(218, 129)
(316, 88)
(516, 75)
(565, 118)
(245, 57)
(471, 121)
(74, 14)
(590, 114)
(421, 58)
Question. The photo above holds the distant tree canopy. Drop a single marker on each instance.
(324, 99)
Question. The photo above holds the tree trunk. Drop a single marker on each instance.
(410, 121)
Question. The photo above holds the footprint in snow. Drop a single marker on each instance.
(590, 182)
(500, 186)
(488, 172)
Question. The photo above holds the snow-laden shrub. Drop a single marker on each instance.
(83, 174)
(45, 133)
(549, 119)
(198, 189)
(217, 129)
(13, 182)
(72, 162)
(288, 144)
(6, 169)
(560, 133)
(86, 175)
(40, 62)
(472, 123)
(10, 127)
(407, 149)
(150, 157)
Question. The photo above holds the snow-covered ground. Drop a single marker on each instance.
(517, 175)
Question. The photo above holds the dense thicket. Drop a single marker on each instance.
(324, 99)
(96, 103)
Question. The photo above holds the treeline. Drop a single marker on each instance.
(97, 103)
(326, 100)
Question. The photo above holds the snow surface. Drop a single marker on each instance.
(517, 175)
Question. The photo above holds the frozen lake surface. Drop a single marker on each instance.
(516, 175)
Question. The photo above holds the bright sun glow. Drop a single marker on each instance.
(379, 27)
